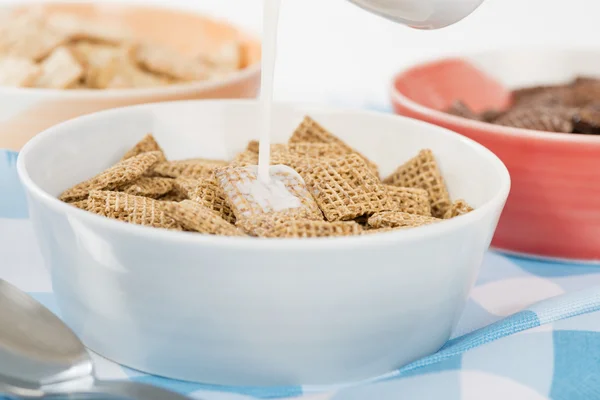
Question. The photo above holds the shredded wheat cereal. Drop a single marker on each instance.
(240, 186)
(129, 208)
(459, 207)
(195, 217)
(195, 168)
(150, 187)
(186, 186)
(82, 204)
(310, 131)
(410, 200)
(253, 146)
(395, 219)
(282, 226)
(332, 192)
(123, 173)
(346, 188)
(211, 195)
(174, 196)
(423, 172)
(147, 144)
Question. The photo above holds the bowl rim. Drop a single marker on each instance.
(430, 231)
(398, 97)
(169, 90)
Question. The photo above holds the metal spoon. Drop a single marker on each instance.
(40, 357)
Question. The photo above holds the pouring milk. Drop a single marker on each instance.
(422, 14)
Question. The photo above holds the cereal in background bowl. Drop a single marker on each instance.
(572, 107)
(62, 60)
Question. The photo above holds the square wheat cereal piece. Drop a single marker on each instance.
(316, 229)
(396, 219)
(28, 36)
(459, 207)
(225, 59)
(410, 200)
(294, 155)
(194, 168)
(164, 61)
(101, 62)
(18, 72)
(423, 172)
(249, 197)
(82, 204)
(119, 175)
(60, 70)
(253, 146)
(125, 73)
(318, 150)
(261, 225)
(149, 187)
(186, 186)
(147, 144)
(76, 28)
(245, 158)
(280, 225)
(280, 155)
(130, 76)
(310, 131)
(132, 209)
(173, 196)
(210, 194)
(299, 156)
(195, 217)
(346, 188)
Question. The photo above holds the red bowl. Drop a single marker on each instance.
(553, 210)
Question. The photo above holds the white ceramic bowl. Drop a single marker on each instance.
(244, 311)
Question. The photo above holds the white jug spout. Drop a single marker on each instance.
(421, 14)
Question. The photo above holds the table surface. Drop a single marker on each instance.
(530, 330)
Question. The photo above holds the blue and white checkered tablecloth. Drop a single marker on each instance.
(531, 330)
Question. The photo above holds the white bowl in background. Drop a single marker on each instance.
(245, 311)
(27, 111)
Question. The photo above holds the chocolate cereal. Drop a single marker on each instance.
(565, 108)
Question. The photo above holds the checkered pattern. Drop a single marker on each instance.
(531, 330)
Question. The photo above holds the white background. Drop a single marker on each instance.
(331, 49)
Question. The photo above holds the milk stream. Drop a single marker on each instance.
(269, 55)
(268, 190)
